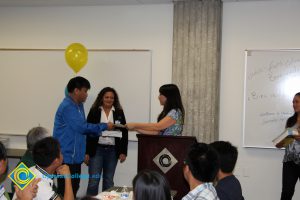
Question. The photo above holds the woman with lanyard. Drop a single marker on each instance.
(104, 152)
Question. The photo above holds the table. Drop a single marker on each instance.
(119, 189)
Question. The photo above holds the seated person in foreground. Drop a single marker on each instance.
(35, 134)
(170, 120)
(3, 170)
(48, 159)
(200, 169)
(27, 193)
(228, 186)
(150, 185)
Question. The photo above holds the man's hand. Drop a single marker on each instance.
(63, 170)
(110, 126)
(28, 192)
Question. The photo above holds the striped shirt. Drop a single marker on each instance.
(45, 190)
(204, 191)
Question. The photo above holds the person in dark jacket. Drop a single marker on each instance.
(228, 186)
(104, 152)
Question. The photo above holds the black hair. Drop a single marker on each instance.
(172, 93)
(291, 121)
(99, 100)
(3, 153)
(79, 83)
(150, 185)
(228, 155)
(203, 162)
(46, 151)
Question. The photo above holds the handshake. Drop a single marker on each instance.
(112, 126)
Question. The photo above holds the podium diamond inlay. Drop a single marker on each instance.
(165, 160)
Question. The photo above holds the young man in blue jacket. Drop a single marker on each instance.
(70, 128)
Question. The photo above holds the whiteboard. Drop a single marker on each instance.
(32, 84)
(272, 78)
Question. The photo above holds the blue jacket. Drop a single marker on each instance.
(70, 128)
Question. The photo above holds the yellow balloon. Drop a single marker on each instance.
(76, 56)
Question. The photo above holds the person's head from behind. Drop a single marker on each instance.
(107, 98)
(78, 87)
(35, 134)
(46, 153)
(228, 155)
(170, 98)
(201, 163)
(150, 185)
(3, 159)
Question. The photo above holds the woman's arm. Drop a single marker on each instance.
(156, 127)
(297, 137)
(279, 145)
(147, 132)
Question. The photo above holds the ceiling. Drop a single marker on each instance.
(90, 2)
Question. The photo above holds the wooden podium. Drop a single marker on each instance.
(165, 154)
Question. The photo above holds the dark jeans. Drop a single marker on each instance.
(104, 160)
(75, 170)
(290, 175)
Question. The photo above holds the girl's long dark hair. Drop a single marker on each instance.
(99, 100)
(151, 185)
(293, 119)
(171, 92)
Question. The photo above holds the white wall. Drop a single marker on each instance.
(246, 25)
(253, 25)
(103, 27)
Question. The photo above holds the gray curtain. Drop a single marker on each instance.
(196, 64)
